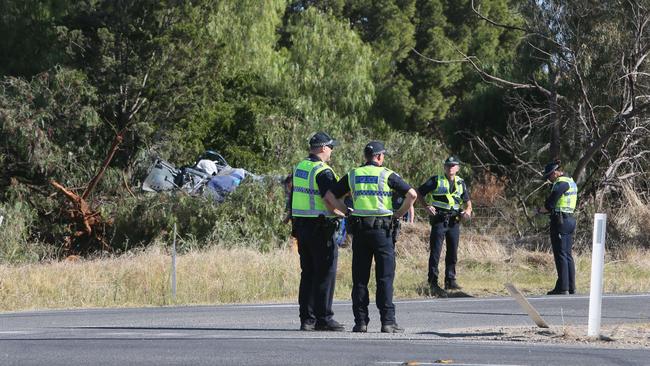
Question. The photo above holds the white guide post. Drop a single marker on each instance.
(174, 265)
(597, 266)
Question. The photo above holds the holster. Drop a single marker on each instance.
(323, 222)
(354, 224)
(396, 225)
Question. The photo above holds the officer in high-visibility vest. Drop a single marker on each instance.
(373, 221)
(443, 196)
(561, 204)
(314, 224)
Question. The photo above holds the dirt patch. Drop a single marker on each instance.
(614, 336)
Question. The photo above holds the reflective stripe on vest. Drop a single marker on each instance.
(452, 201)
(306, 200)
(568, 200)
(371, 195)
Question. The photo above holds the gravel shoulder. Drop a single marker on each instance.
(635, 335)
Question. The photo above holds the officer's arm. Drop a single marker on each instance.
(430, 209)
(468, 202)
(411, 217)
(552, 199)
(468, 209)
(409, 199)
(422, 192)
(556, 193)
(335, 205)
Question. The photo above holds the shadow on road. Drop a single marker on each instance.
(424, 290)
(463, 335)
(458, 294)
(185, 328)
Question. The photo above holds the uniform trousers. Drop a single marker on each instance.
(562, 228)
(318, 260)
(447, 231)
(369, 243)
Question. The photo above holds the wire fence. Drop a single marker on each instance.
(489, 223)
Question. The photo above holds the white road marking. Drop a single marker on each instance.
(120, 334)
(175, 335)
(442, 363)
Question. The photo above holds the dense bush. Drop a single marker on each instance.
(18, 220)
(251, 217)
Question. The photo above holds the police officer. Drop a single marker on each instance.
(314, 224)
(373, 220)
(561, 204)
(443, 197)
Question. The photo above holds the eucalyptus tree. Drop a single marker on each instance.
(582, 94)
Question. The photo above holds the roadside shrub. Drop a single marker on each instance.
(628, 225)
(249, 217)
(15, 244)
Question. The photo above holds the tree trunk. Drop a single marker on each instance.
(554, 150)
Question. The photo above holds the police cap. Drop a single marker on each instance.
(550, 168)
(374, 148)
(322, 139)
(452, 160)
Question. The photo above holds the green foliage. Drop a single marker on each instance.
(28, 29)
(329, 66)
(249, 217)
(48, 126)
(18, 221)
(151, 61)
(246, 34)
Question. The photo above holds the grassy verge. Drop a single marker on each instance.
(237, 275)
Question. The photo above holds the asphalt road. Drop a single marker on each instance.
(268, 335)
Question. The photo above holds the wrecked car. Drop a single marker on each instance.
(210, 175)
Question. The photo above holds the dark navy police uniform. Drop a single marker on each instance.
(372, 238)
(318, 259)
(562, 228)
(445, 227)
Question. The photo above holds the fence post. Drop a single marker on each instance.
(174, 265)
(597, 267)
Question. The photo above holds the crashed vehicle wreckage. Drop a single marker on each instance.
(211, 175)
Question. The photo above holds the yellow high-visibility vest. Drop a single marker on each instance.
(568, 200)
(306, 200)
(442, 197)
(371, 195)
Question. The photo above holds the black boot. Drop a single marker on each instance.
(450, 284)
(391, 328)
(558, 292)
(435, 290)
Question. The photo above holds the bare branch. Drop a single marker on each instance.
(437, 61)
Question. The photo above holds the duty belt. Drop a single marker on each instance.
(371, 222)
(446, 216)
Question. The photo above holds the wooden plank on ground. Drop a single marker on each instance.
(517, 295)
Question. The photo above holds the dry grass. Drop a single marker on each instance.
(244, 275)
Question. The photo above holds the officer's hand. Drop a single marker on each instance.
(431, 210)
(467, 214)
